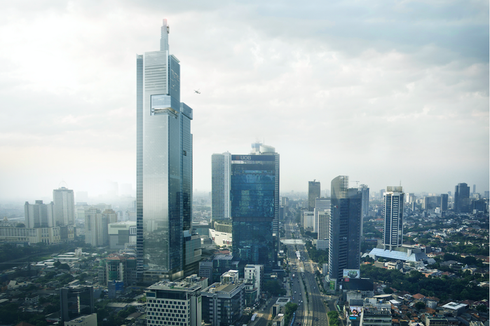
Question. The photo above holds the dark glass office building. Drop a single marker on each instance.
(314, 192)
(345, 228)
(462, 203)
(164, 165)
(254, 199)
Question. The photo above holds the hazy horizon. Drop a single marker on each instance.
(387, 94)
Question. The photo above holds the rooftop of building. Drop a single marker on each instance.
(219, 287)
(174, 286)
(454, 306)
(399, 254)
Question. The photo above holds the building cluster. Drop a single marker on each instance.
(44, 223)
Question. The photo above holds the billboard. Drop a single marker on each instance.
(354, 312)
(352, 273)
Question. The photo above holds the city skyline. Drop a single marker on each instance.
(367, 85)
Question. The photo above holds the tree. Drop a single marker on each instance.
(289, 309)
(419, 305)
(482, 308)
(274, 288)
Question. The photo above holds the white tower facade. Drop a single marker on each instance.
(393, 217)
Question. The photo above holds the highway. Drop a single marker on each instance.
(311, 309)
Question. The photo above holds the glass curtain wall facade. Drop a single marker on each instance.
(364, 189)
(345, 228)
(254, 198)
(164, 164)
(462, 198)
(314, 192)
(220, 165)
(393, 217)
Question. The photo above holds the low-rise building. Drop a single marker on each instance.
(223, 302)
(174, 303)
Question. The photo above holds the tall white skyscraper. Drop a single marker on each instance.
(393, 217)
(164, 165)
(64, 206)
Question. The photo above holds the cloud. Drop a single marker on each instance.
(379, 91)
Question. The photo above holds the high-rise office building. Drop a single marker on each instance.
(220, 165)
(462, 198)
(345, 228)
(393, 218)
(64, 206)
(364, 189)
(444, 202)
(314, 192)
(39, 215)
(164, 165)
(75, 302)
(254, 198)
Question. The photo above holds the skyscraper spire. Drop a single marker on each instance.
(164, 36)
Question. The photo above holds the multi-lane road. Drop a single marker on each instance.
(311, 308)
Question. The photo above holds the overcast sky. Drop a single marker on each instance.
(382, 91)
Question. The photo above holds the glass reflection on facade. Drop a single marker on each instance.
(345, 228)
(254, 198)
(164, 163)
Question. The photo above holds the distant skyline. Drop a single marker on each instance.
(385, 93)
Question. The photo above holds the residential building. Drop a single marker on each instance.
(174, 303)
(254, 274)
(39, 215)
(223, 302)
(321, 205)
(323, 225)
(345, 229)
(393, 217)
(118, 267)
(314, 192)
(164, 165)
(220, 170)
(96, 228)
(254, 197)
(64, 206)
